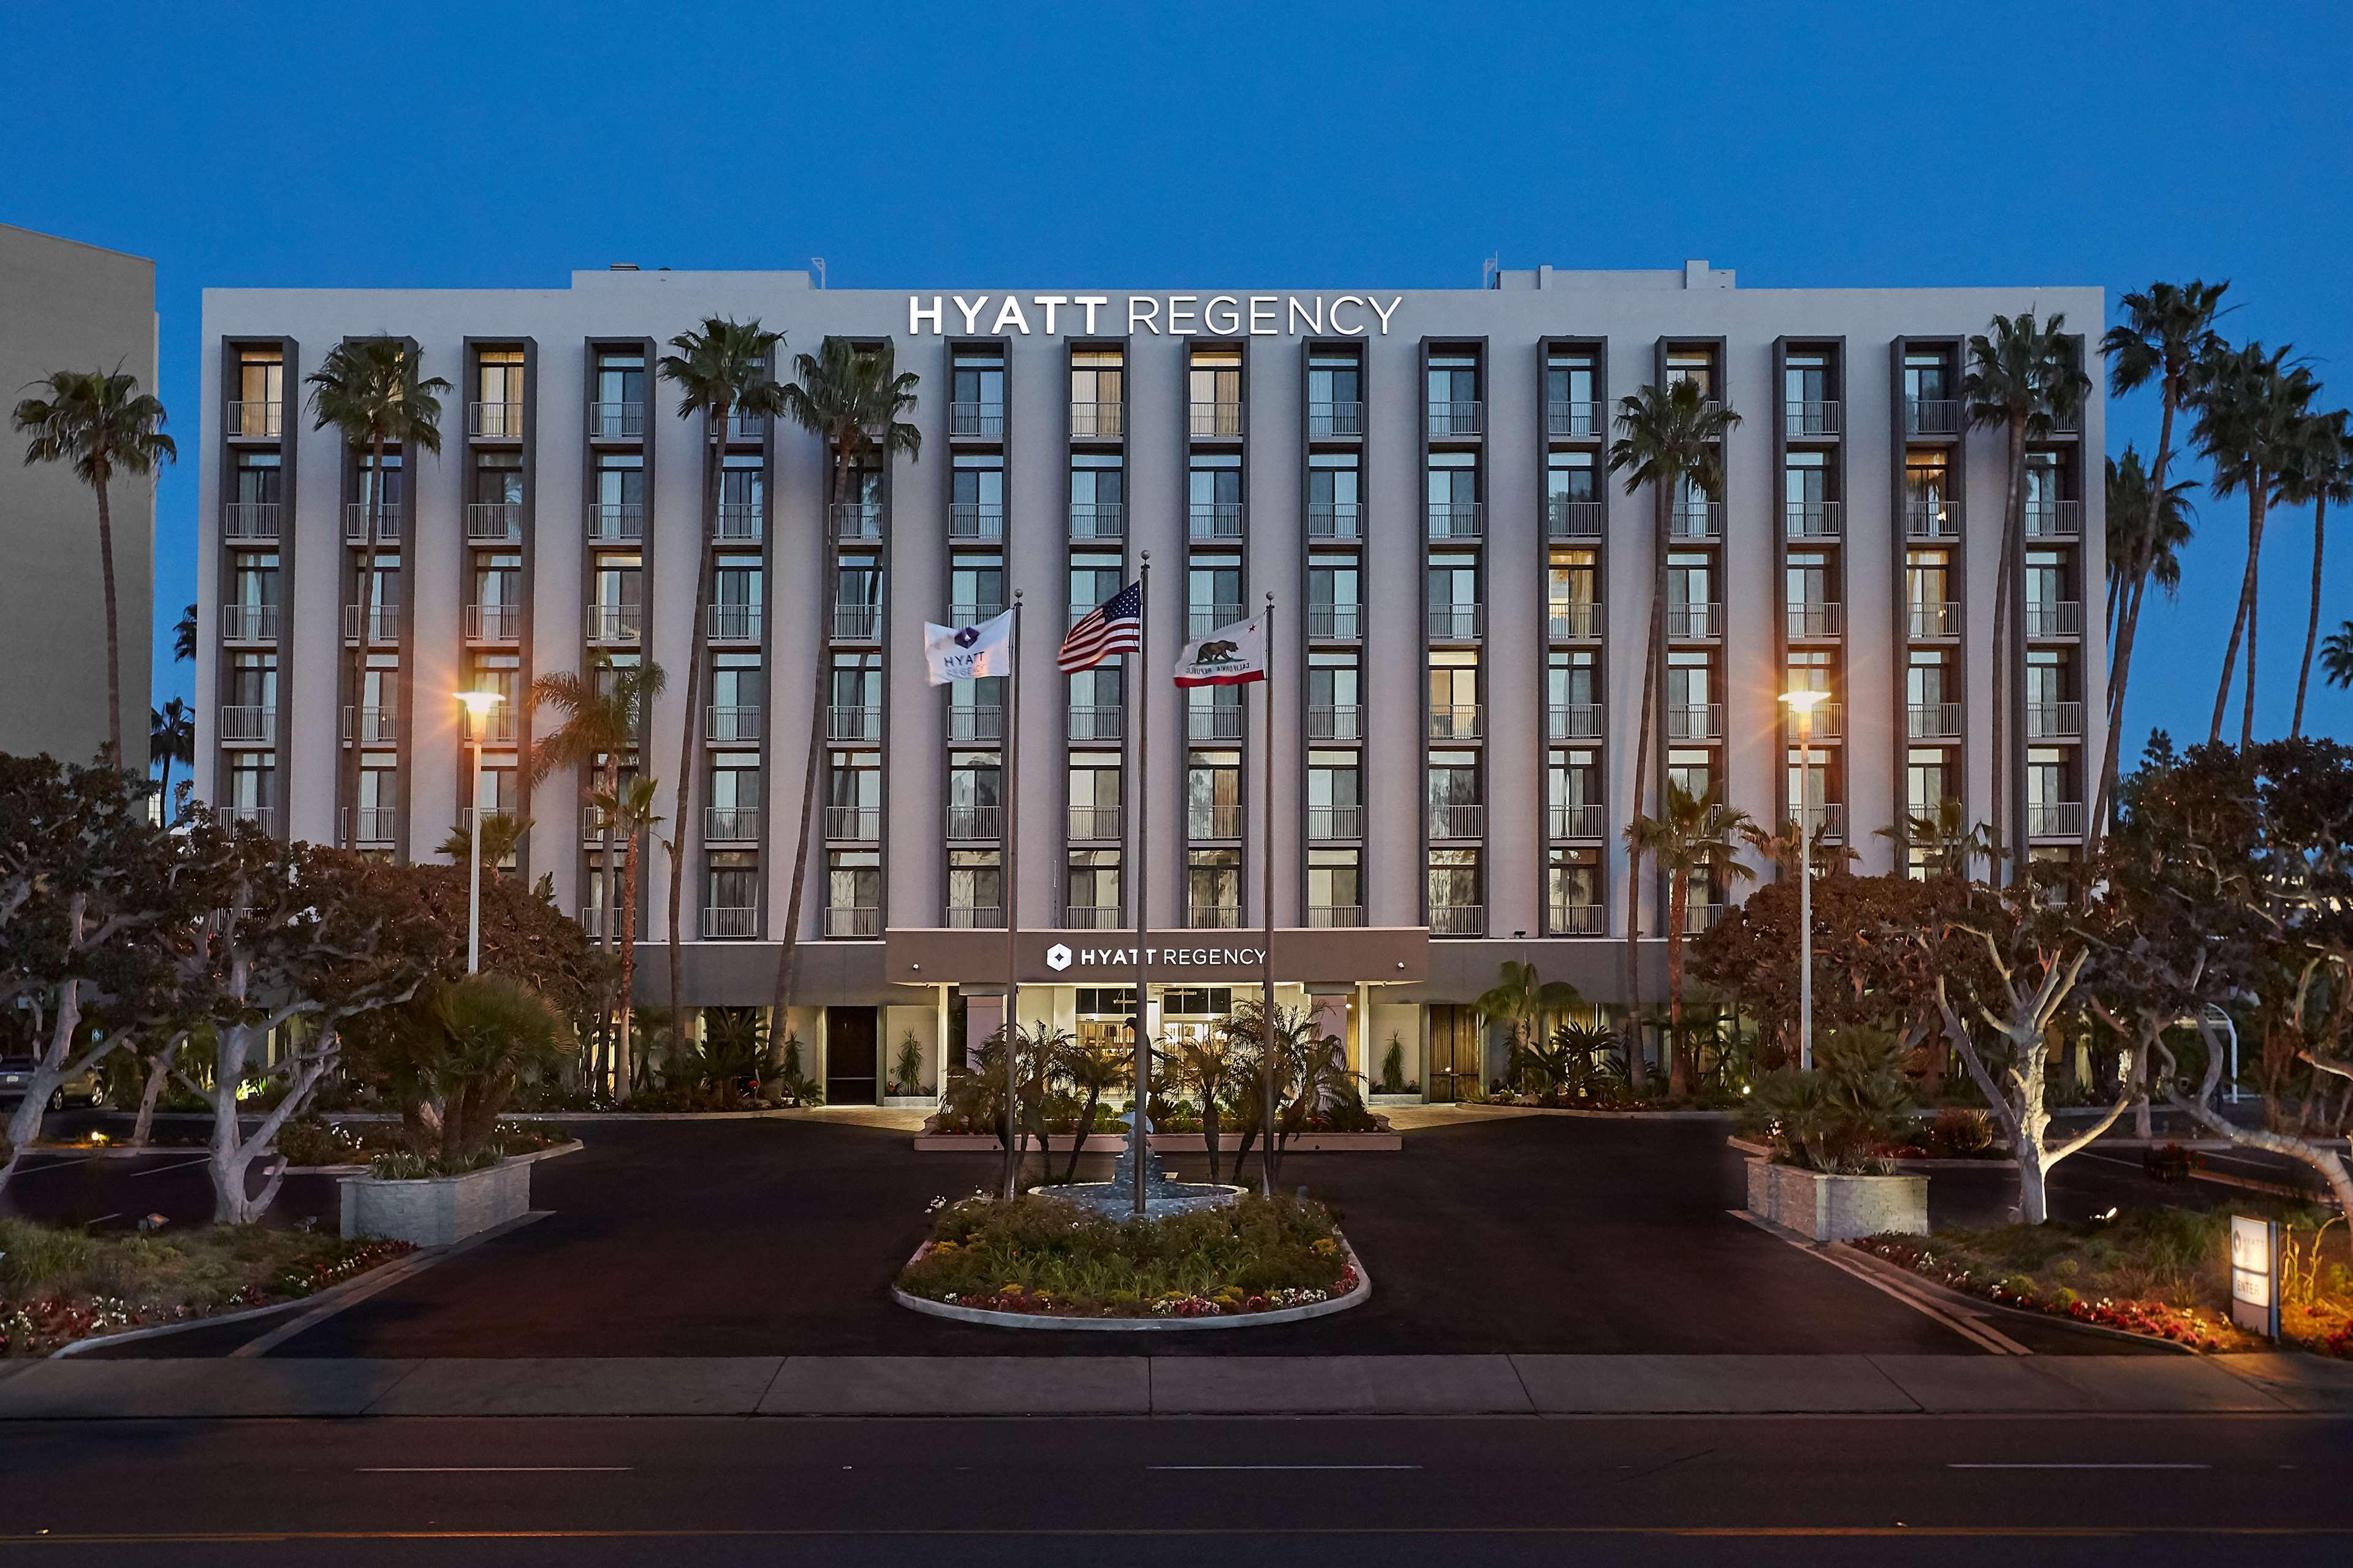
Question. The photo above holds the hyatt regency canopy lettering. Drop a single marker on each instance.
(1061, 957)
(1170, 315)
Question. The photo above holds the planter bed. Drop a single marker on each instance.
(435, 1211)
(1384, 1142)
(1837, 1208)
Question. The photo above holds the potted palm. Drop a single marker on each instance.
(908, 1091)
(1829, 1173)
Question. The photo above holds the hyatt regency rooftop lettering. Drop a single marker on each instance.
(1173, 315)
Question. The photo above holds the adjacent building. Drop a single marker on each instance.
(1419, 480)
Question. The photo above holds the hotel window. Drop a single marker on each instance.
(1336, 395)
(2047, 589)
(498, 596)
(1335, 597)
(2045, 483)
(735, 596)
(253, 681)
(1105, 1016)
(1573, 892)
(734, 811)
(498, 479)
(1927, 494)
(856, 598)
(1457, 809)
(253, 786)
(1812, 599)
(1214, 387)
(1213, 888)
(1334, 711)
(498, 384)
(616, 605)
(1815, 785)
(1213, 795)
(1214, 494)
(363, 488)
(1573, 792)
(1455, 713)
(1810, 670)
(979, 394)
(1694, 773)
(1336, 892)
(1694, 713)
(1691, 595)
(1334, 496)
(732, 903)
(1335, 796)
(1699, 369)
(1096, 698)
(976, 888)
(379, 800)
(253, 596)
(258, 479)
(853, 893)
(1098, 496)
(1805, 378)
(976, 588)
(1926, 781)
(1213, 713)
(1568, 396)
(1451, 493)
(1097, 390)
(620, 379)
(1931, 696)
(1572, 592)
(1457, 893)
(1927, 378)
(1196, 1002)
(975, 795)
(496, 672)
(853, 796)
(1452, 385)
(1090, 890)
(738, 691)
(742, 496)
(2053, 807)
(1927, 588)
(976, 503)
(855, 698)
(1806, 495)
(1454, 607)
(1572, 496)
(1213, 593)
(1095, 797)
(261, 388)
(1094, 579)
(1572, 693)
(861, 486)
(618, 510)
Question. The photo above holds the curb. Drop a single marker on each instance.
(1946, 1292)
(986, 1319)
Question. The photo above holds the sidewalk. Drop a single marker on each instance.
(2269, 1384)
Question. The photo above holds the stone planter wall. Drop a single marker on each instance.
(437, 1210)
(1837, 1208)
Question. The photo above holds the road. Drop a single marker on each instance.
(1654, 1491)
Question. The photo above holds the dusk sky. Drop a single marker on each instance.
(1294, 145)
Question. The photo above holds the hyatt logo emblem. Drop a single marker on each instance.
(1058, 957)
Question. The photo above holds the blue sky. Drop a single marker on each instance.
(1298, 144)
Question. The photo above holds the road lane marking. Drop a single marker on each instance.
(2078, 1467)
(1282, 1467)
(492, 1470)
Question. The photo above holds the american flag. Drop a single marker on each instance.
(1114, 627)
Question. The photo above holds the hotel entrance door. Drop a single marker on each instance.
(849, 1057)
(1456, 1043)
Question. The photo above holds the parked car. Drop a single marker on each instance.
(84, 1088)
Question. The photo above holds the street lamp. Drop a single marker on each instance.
(478, 716)
(1803, 703)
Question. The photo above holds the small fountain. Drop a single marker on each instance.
(1162, 1196)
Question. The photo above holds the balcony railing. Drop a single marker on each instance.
(976, 419)
(253, 421)
(245, 722)
(1572, 620)
(372, 726)
(497, 728)
(2054, 819)
(1582, 820)
(1457, 623)
(1457, 821)
(1695, 722)
(738, 522)
(1334, 623)
(976, 917)
(1572, 419)
(616, 421)
(734, 726)
(1458, 919)
(857, 521)
(387, 522)
(494, 421)
(379, 624)
(616, 623)
(1815, 621)
(1214, 917)
(1932, 417)
(1932, 720)
(1929, 517)
(731, 823)
(249, 622)
(1694, 621)
(857, 622)
(1827, 820)
(1342, 519)
(1457, 721)
(976, 520)
(493, 521)
(1335, 418)
(1828, 719)
(1200, 620)
(855, 824)
(2070, 422)
(1335, 721)
(264, 817)
(747, 430)
(493, 623)
(1104, 522)
(1098, 421)
(1458, 419)
(976, 722)
(377, 824)
(853, 921)
(594, 824)
(1814, 518)
(1328, 822)
(2063, 618)
(1216, 421)
(1928, 618)
(1097, 824)
(1335, 916)
(1095, 722)
(2055, 720)
(2055, 518)
(1566, 519)
(1213, 822)
(1695, 520)
(1456, 520)
(1214, 521)
(1698, 918)
(249, 520)
(735, 623)
(1576, 920)
(1574, 720)
(972, 614)
(615, 522)
(853, 723)
(1810, 421)
(724, 922)
(1094, 917)
(1214, 721)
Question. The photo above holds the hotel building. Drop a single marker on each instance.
(1419, 478)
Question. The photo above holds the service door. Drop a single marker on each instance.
(849, 1057)
(1455, 1041)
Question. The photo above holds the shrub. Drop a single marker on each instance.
(307, 1141)
(1840, 1118)
(1959, 1134)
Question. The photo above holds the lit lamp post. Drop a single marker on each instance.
(1803, 703)
(478, 716)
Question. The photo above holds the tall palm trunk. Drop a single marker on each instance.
(2144, 557)
(163, 785)
(1654, 655)
(347, 769)
(1680, 1067)
(2311, 619)
(113, 627)
(2008, 590)
(789, 949)
(2241, 626)
(699, 639)
(620, 1064)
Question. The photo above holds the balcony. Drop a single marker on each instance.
(1214, 721)
(853, 921)
(377, 824)
(1828, 720)
(853, 723)
(1104, 522)
(387, 522)
(1216, 421)
(975, 521)
(494, 421)
(1814, 518)
(1813, 623)
(2055, 520)
(493, 623)
(1566, 519)
(493, 522)
(1695, 520)
(372, 726)
(1457, 419)
(1932, 417)
(1825, 821)
(1094, 917)
(615, 623)
(595, 826)
(731, 823)
(2054, 819)
(857, 622)
(1930, 517)
(1572, 620)
(1928, 618)
(974, 917)
(746, 429)
(738, 522)
(1331, 917)
(1213, 822)
(1214, 917)
(1325, 822)
(729, 922)
(1096, 824)
(615, 522)
(1334, 623)
(1458, 722)
(616, 421)
(1098, 421)
(1335, 721)
(1457, 623)
(1458, 919)
(853, 824)
(973, 613)
(249, 622)
(976, 419)
(2055, 720)
(1341, 521)
(735, 623)
(591, 920)
(1695, 722)
(1572, 420)
(251, 421)
(2062, 618)
(264, 817)
(2070, 422)
(243, 725)
(975, 723)
(380, 625)
(1335, 419)
(498, 726)
(249, 521)
(1690, 622)
(1699, 918)
(1212, 522)
(1574, 720)
(1810, 421)
(1931, 722)
(1200, 620)
(731, 726)
(1575, 920)
(1096, 722)
(857, 521)
(1457, 821)
(1582, 820)
(1456, 520)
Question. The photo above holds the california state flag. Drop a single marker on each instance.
(1230, 655)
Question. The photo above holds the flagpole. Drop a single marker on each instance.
(1141, 1145)
(1266, 904)
(1012, 908)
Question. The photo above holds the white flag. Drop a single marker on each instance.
(1226, 656)
(969, 653)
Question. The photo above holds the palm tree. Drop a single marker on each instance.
(183, 636)
(2251, 413)
(373, 394)
(1946, 833)
(502, 837)
(1672, 441)
(1692, 835)
(2023, 379)
(2146, 529)
(1208, 1064)
(631, 810)
(1518, 1000)
(724, 368)
(2336, 657)
(855, 401)
(1096, 1072)
(171, 738)
(102, 424)
(1305, 1060)
(2322, 472)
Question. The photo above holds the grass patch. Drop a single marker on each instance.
(1041, 1255)
(59, 1285)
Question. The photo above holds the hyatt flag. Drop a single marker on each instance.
(969, 653)
(1226, 656)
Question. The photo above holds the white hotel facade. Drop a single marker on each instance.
(1418, 477)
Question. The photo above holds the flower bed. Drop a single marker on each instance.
(57, 1286)
(1041, 1257)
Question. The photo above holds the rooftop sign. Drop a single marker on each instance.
(1169, 315)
